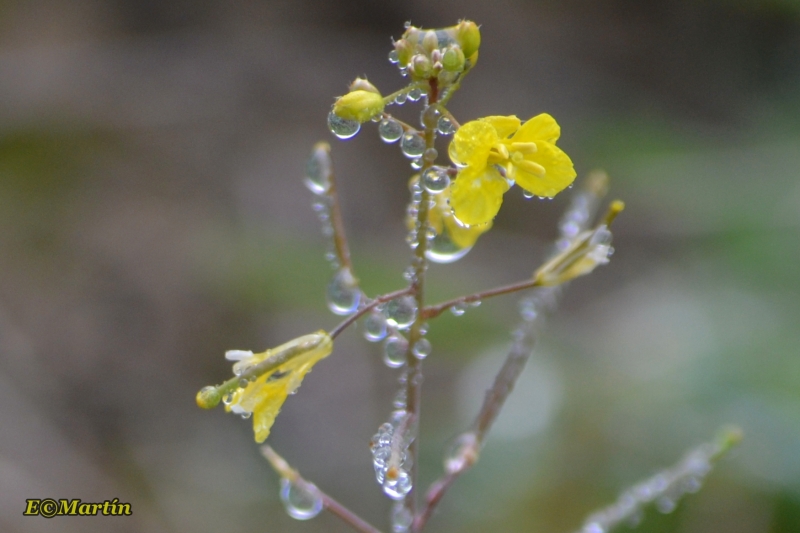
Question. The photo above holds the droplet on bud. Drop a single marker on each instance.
(342, 128)
(301, 502)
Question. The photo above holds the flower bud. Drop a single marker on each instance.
(421, 66)
(587, 251)
(208, 397)
(361, 84)
(360, 105)
(405, 50)
(469, 37)
(430, 42)
(453, 59)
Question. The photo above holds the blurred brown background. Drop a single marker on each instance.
(152, 216)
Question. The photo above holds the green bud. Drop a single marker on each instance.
(208, 397)
(468, 35)
(421, 66)
(430, 42)
(405, 50)
(453, 59)
(359, 105)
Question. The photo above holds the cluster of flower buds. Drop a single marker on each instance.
(444, 53)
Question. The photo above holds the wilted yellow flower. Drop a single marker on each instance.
(264, 397)
(528, 154)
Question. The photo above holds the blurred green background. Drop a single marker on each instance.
(152, 216)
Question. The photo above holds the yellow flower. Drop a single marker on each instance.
(264, 397)
(527, 153)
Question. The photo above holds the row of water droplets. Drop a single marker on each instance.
(664, 489)
(343, 294)
(390, 457)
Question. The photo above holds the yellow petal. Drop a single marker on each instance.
(504, 126)
(471, 143)
(540, 128)
(559, 172)
(476, 194)
(465, 236)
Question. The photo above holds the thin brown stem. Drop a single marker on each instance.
(362, 311)
(283, 469)
(339, 236)
(492, 404)
(433, 311)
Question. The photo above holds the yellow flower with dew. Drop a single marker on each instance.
(526, 153)
(264, 380)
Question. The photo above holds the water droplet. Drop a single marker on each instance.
(390, 130)
(397, 484)
(458, 309)
(412, 145)
(416, 164)
(401, 98)
(415, 94)
(443, 249)
(527, 195)
(665, 504)
(375, 326)
(421, 349)
(528, 310)
(445, 126)
(343, 294)
(301, 502)
(245, 415)
(430, 117)
(393, 58)
(394, 351)
(318, 171)
(462, 453)
(401, 311)
(430, 155)
(593, 527)
(243, 383)
(435, 179)
(401, 518)
(228, 398)
(399, 401)
(342, 128)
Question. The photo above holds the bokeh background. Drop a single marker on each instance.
(152, 216)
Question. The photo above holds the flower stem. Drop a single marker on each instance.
(414, 377)
(362, 311)
(433, 311)
(283, 469)
(339, 236)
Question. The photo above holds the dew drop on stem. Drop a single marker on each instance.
(302, 502)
